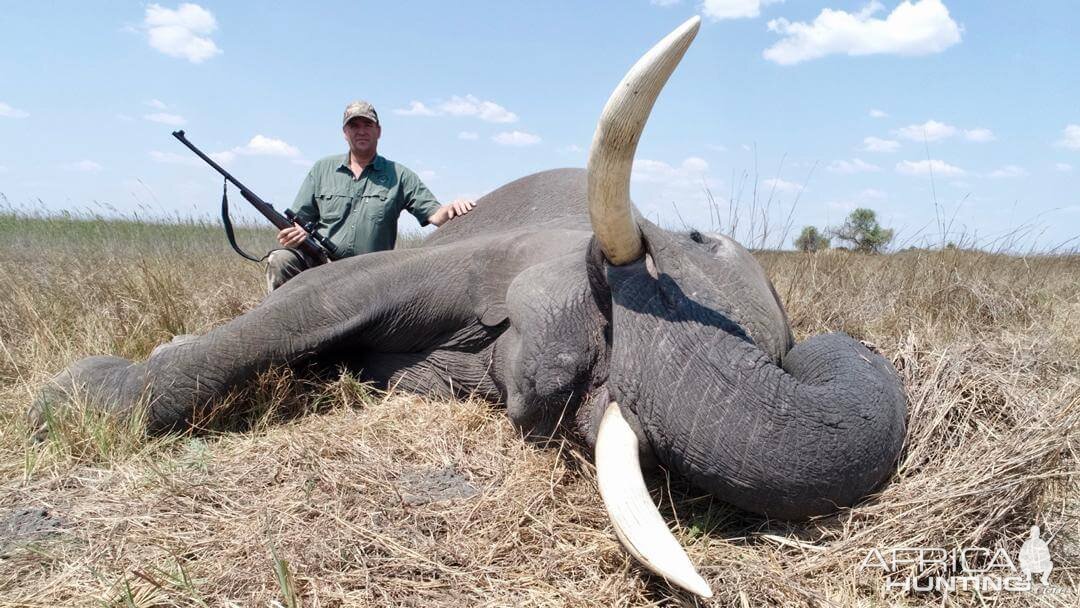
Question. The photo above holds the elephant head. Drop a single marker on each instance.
(554, 297)
(702, 364)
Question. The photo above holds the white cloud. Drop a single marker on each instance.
(468, 135)
(571, 149)
(415, 108)
(718, 10)
(925, 167)
(1008, 171)
(157, 104)
(9, 112)
(876, 144)
(856, 165)
(933, 130)
(918, 28)
(183, 32)
(427, 175)
(224, 157)
(260, 145)
(1070, 137)
(979, 135)
(695, 164)
(664, 2)
(1063, 167)
(876, 113)
(716, 147)
(873, 193)
(515, 138)
(781, 185)
(469, 105)
(646, 170)
(174, 120)
(86, 166)
(930, 130)
(690, 171)
(124, 117)
(3, 169)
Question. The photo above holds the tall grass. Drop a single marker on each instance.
(299, 499)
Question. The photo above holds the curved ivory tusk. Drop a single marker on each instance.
(615, 141)
(637, 522)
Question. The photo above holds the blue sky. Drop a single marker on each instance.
(823, 106)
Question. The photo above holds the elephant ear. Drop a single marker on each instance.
(495, 265)
(493, 314)
(489, 279)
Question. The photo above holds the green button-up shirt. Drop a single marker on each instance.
(359, 213)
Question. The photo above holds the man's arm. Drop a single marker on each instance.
(420, 202)
(449, 211)
(304, 208)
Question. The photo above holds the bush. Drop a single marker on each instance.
(811, 240)
(863, 231)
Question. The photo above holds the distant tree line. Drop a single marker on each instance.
(860, 231)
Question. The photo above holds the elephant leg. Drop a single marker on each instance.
(440, 373)
(386, 301)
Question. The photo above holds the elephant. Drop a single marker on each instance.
(557, 299)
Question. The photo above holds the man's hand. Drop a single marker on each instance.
(291, 236)
(451, 210)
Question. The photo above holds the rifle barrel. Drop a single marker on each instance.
(180, 135)
(315, 245)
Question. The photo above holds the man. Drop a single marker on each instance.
(355, 199)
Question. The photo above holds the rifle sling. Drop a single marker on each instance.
(228, 224)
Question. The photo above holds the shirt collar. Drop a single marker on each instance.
(375, 165)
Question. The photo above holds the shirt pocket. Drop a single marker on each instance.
(333, 205)
(375, 204)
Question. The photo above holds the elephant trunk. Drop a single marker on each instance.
(817, 434)
(792, 441)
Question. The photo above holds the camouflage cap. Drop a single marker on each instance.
(361, 109)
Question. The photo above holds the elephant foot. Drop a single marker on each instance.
(103, 383)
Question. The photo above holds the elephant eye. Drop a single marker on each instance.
(697, 237)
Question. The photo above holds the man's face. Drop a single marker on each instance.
(362, 135)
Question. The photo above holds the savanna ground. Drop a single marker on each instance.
(331, 493)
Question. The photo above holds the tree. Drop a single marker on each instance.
(811, 240)
(863, 231)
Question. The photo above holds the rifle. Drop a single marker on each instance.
(316, 246)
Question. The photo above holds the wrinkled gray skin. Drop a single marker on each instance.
(516, 303)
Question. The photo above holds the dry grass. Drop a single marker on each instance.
(329, 495)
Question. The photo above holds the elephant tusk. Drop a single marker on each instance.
(637, 522)
(615, 141)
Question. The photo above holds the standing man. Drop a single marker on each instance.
(355, 200)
